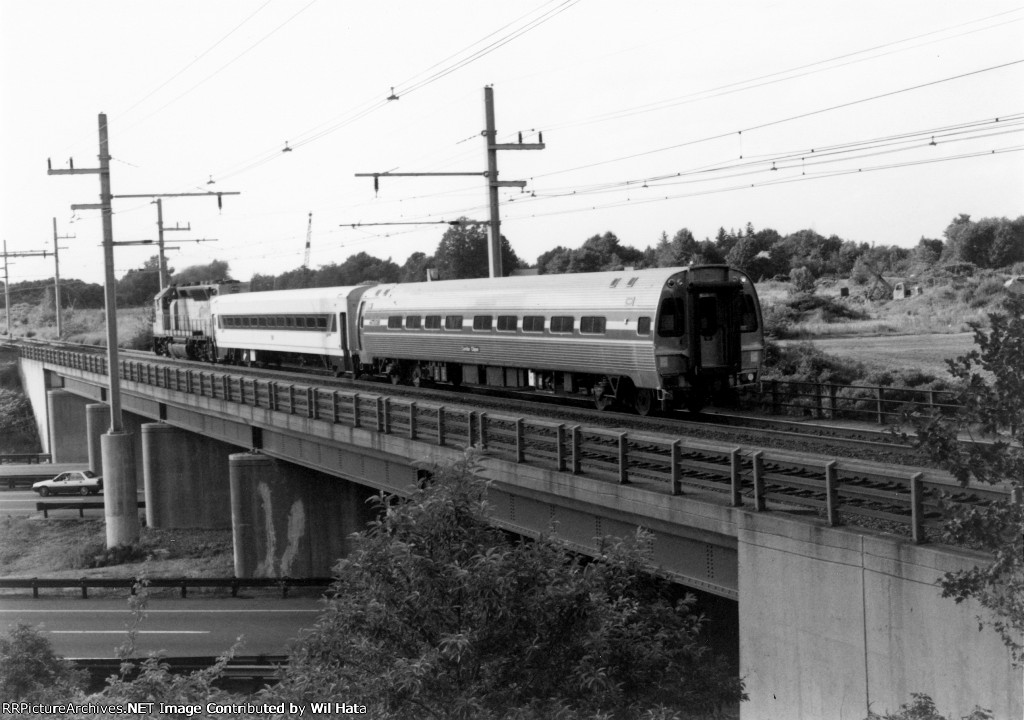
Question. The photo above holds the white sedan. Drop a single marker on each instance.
(80, 482)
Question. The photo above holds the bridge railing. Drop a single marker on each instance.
(181, 583)
(863, 402)
(832, 490)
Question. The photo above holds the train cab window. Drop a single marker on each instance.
(453, 322)
(394, 322)
(507, 323)
(533, 323)
(748, 314)
(562, 323)
(432, 322)
(413, 322)
(483, 322)
(670, 318)
(592, 325)
(643, 326)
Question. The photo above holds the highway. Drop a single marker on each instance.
(181, 628)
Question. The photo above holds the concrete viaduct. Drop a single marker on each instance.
(833, 620)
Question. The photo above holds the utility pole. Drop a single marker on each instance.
(120, 484)
(490, 134)
(7, 284)
(309, 238)
(56, 275)
(7, 291)
(158, 200)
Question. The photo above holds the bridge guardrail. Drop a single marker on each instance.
(874, 402)
(182, 583)
(894, 500)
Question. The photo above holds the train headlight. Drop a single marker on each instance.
(671, 364)
(753, 357)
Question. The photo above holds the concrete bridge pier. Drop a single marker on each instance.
(65, 416)
(186, 478)
(97, 422)
(289, 520)
(120, 496)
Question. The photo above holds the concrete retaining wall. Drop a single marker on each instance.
(834, 622)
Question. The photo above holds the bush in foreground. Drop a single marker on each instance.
(437, 614)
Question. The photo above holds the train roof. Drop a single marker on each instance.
(576, 291)
(285, 301)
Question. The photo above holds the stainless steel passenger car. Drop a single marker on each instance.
(640, 338)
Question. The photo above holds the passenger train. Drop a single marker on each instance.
(640, 339)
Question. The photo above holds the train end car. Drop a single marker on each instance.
(182, 324)
(642, 339)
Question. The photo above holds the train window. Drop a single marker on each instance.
(453, 322)
(748, 314)
(321, 322)
(507, 323)
(413, 322)
(533, 323)
(562, 323)
(483, 322)
(592, 325)
(615, 282)
(263, 322)
(394, 321)
(643, 326)
(432, 322)
(334, 324)
(289, 322)
(670, 318)
(632, 281)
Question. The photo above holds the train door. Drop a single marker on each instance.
(714, 340)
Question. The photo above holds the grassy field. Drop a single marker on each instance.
(73, 547)
(927, 353)
(88, 326)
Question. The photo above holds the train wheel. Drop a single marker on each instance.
(644, 402)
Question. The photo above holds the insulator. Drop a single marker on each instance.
(220, 202)
(540, 137)
(520, 138)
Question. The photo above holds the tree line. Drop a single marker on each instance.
(989, 243)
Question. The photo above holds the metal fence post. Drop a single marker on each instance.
(759, 499)
(560, 447)
(917, 508)
(832, 492)
(440, 426)
(676, 487)
(576, 450)
(880, 414)
(623, 459)
(735, 477)
(520, 441)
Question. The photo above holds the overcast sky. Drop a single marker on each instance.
(656, 115)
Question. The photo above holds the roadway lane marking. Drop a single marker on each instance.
(122, 632)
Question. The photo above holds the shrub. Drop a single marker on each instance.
(30, 671)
